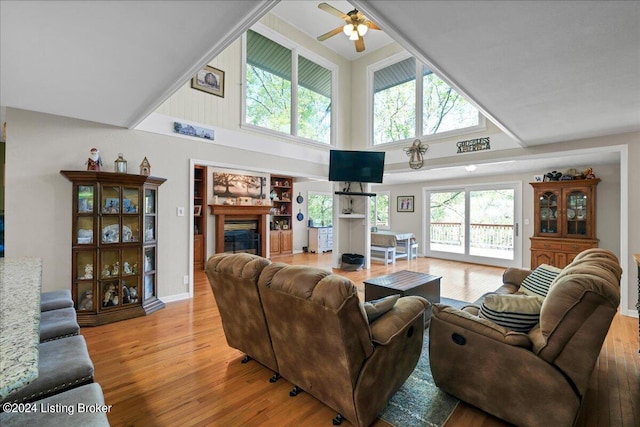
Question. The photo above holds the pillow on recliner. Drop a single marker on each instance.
(378, 307)
(518, 313)
(538, 282)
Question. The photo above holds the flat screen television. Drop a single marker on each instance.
(356, 166)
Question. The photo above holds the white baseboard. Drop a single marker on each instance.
(176, 297)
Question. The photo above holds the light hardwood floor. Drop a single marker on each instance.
(174, 368)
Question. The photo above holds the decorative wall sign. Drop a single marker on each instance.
(477, 144)
(191, 130)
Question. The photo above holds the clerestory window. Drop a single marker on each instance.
(410, 101)
(286, 89)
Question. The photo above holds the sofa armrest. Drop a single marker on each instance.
(393, 322)
(515, 276)
(468, 321)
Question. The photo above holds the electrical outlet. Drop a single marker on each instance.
(185, 280)
(180, 211)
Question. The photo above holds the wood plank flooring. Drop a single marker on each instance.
(174, 368)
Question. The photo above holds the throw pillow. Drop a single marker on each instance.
(538, 282)
(378, 307)
(518, 313)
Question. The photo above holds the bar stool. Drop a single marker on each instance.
(56, 324)
(63, 364)
(54, 300)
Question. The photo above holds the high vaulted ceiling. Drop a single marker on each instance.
(544, 71)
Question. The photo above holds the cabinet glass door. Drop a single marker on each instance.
(129, 276)
(576, 214)
(84, 274)
(149, 217)
(548, 212)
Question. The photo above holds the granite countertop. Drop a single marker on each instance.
(20, 287)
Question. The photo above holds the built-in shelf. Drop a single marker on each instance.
(351, 216)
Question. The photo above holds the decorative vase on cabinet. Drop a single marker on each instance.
(564, 221)
(114, 245)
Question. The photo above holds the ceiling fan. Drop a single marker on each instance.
(356, 25)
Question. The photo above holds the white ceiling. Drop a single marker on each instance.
(543, 71)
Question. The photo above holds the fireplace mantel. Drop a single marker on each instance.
(239, 210)
(259, 213)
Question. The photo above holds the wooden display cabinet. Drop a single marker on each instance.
(281, 234)
(199, 216)
(564, 221)
(114, 245)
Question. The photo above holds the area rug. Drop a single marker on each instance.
(419, 402)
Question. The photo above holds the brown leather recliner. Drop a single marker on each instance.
(234, 282)
(325, 346)
(537, 378)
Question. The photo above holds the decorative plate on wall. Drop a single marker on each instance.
(299, 199)
(300, 215)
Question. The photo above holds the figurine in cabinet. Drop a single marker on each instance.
(105, 271)
(86, 301)
(133, 294)
(88, 272)
(110, 297)
(126, 268)
(116, 269)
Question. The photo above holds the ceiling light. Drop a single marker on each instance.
(348, 29)
(362, 29)
(354, 35)
(471, 168)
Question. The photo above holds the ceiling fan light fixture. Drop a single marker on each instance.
(362, 29)
(354, 35)
(348, 29)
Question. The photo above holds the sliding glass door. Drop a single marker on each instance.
(474, 224)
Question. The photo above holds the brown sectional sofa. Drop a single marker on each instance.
(537, 378)
(314, 326)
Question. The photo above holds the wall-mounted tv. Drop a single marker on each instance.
(356, 166)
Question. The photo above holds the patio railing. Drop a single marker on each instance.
(488, 236)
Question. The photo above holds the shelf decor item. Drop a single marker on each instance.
(120, 165)
(145, 167)
(94, 162)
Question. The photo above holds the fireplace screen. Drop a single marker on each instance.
(242, 236)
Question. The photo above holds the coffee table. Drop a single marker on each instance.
(405, 283)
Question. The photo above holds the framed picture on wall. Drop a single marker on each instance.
(405, 204)
(210, 80)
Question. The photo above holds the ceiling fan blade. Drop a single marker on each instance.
(359, 44)
(372, 25)
(328, 34)
(332, 10)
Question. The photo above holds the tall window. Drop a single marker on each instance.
(286, 91)
(405, 107)
(380, 210)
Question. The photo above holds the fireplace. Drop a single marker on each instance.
(240, 228)
(241, 236)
